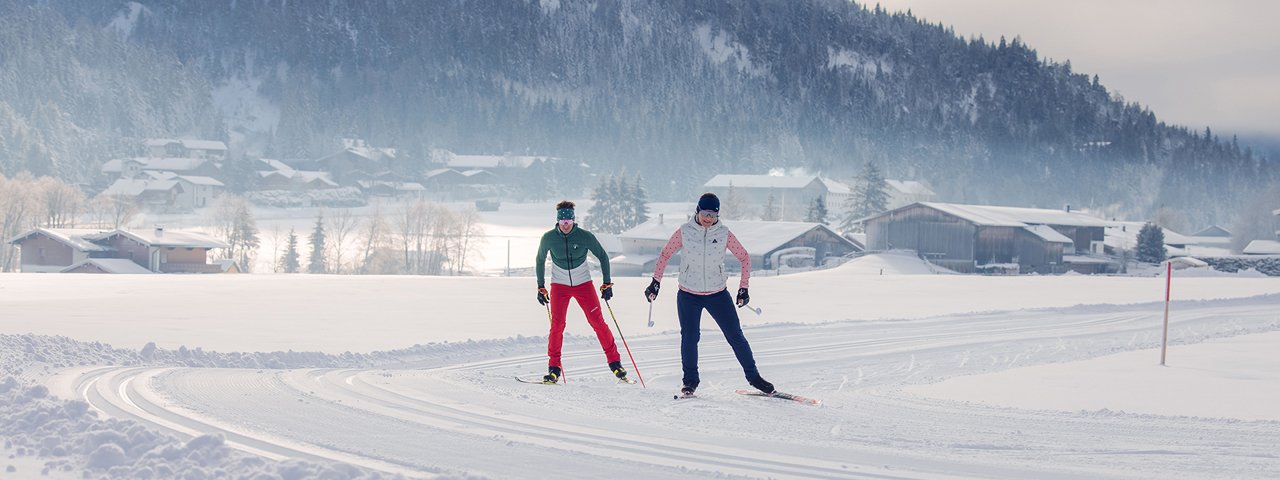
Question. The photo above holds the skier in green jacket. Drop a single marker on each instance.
(568, 245)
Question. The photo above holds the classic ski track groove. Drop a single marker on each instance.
(128, 392)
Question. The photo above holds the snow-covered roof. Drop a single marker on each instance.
(1276, 211)
(441, 171)
(1048, 234)
(760, 181)
(116, 165)
(112, 265)
(70, 236)
(474, 173)
(1085, 260)
(1121, 232)
(307, 176)
(1213, 231)
(492, 161)
(910, 187)
(199, 180)
(167, 238)
(227, 264)
(757, 237)
(276, 164)
(398, 186)
(609, 242)
(994, 216)
(1262, 247)
(132, 187)
(158, 163)
(632, 259)
(836, 187)
(279, 173)
(189, 144)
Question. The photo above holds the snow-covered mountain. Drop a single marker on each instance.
(687, 87)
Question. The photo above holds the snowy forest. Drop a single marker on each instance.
(686, 88)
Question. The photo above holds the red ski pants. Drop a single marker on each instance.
(586, 296)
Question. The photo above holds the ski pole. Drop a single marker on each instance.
(650, 314)
(624, 344)
(562, 375)
(754, 309)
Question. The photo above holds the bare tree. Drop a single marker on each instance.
(441, 232)
(374, 234)
(61, 203)
(116, 210)
(16, 214)
(342, 227)
(469, 240)
(412, 230)
(275, 246)
(233, 223)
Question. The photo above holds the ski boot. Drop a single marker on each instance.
(618, 371)
(552, 376)
(762, 385)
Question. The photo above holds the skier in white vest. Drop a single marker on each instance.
(703, 242)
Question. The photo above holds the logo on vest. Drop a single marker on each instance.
(715, 240)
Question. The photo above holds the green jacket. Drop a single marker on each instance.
(569, 257)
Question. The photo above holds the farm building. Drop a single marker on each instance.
(772, 245)
(981, 238)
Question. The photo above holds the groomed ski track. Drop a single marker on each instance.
(472, 418)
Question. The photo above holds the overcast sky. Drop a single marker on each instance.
(1196, 63)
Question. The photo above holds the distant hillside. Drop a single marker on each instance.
(687, 87)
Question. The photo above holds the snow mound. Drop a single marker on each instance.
(894, 262)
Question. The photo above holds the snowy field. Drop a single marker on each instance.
(921, 376)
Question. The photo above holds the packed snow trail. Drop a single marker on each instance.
(471, 418)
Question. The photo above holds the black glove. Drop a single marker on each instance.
(606, 291)
(651, 293)
(543, 297)
(743, 298)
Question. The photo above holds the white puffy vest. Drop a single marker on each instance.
(702, 255)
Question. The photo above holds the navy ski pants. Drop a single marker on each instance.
(689, 307)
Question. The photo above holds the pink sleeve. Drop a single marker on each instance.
(672, 247)
(740, 253)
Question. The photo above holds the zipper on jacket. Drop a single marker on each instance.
(705, 283)
(569, 257)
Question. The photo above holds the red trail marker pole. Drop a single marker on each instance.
(1164, 338)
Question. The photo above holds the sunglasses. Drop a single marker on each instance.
(709, 213)
(566, 222)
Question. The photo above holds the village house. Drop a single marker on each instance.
(981, 238)
(906, 192)
(1122, 236)
(138, 167)
(771, 245)
(150, 195)
(792, 195)
(95, 251)
(1276, 223)
(1262, 247)
(355, 162)
(277, 175)
(186, 148)
(1213, 236)
(197, 191)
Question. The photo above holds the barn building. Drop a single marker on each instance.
(992, 239)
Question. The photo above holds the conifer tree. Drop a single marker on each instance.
(597, 215)
(245, 234)
(639, 204)
(771, 213)
(317, 260)
(817, 211)
(290, 262)
(1151, 244)
(870, 196)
